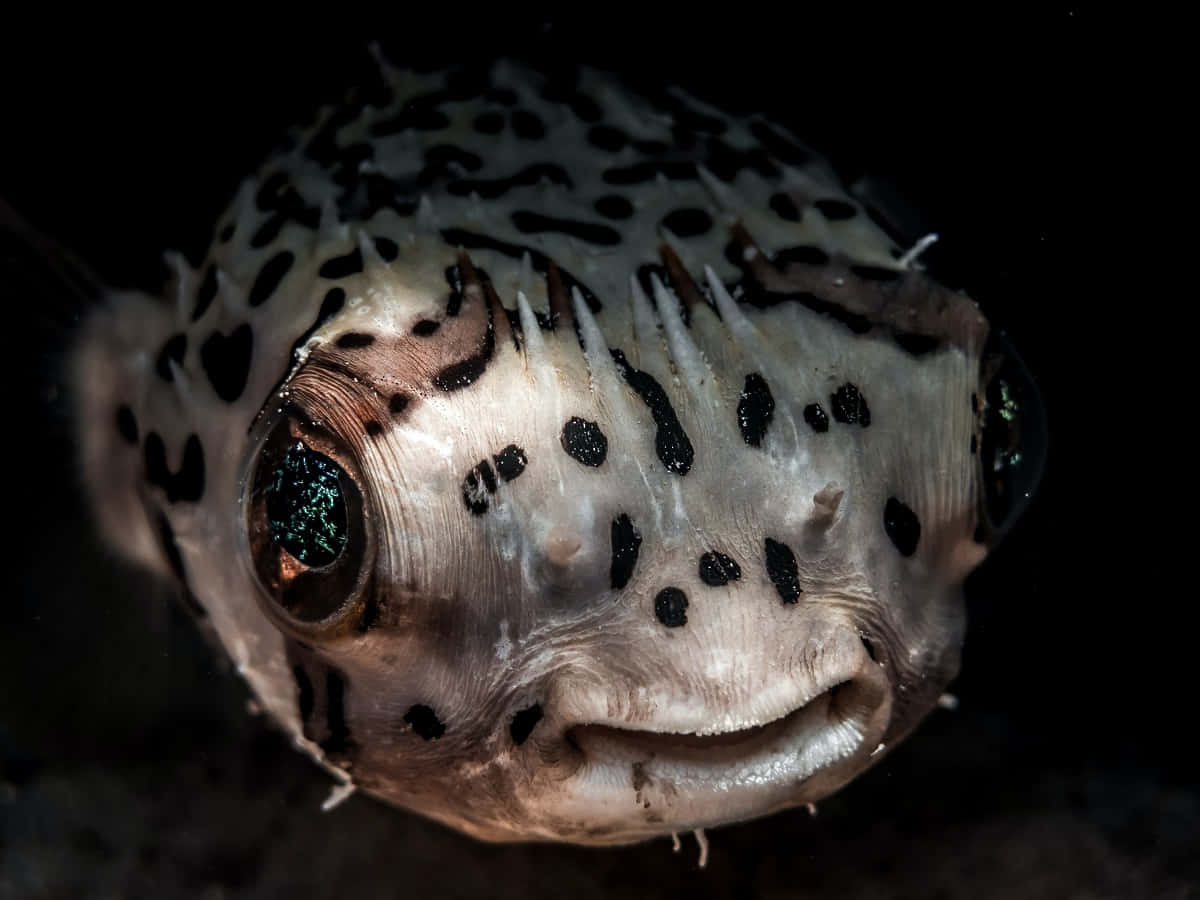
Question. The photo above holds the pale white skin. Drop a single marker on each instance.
(754, 704)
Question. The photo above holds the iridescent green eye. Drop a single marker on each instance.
(306, 511)
(307, 527)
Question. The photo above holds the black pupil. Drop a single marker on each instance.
(305, 507)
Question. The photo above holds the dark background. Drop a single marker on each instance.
(129, 765)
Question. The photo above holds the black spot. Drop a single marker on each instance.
(584, 441)
(902, 526)
(755, 409)
(424, 721)
(784, 207)
(127, 425)
(466, 372)
(268, 231)
(173, 349)
(398, 403)
(491, 188)
(523, 723)
(614, 206)
(186, 484)
(206, 293)
(835, 210)
(534, 223)
(875, 273)
(510, 462)
(783, 570)
(639, 173)
(816, 417)
(607, 138)
(849, 406)
(338, 740)
(717, 569)
(226, 233)
(671, 442)
(778, 146)
(342, 266)
(974, 445)
(527, 125)
(387, 249)
(269, 277)
(916, 344)
(626, 544)
(426, 327)
(670, 606)
(688, 222)
(489, 123)
(353, 340)
(226, 361)
(305, 697)
(374, 429)
(812, 256)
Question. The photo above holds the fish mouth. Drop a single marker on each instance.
(712, 748)
(676, 772)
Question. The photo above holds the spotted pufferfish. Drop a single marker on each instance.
(560, 463)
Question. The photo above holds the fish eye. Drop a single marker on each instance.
(306, 508)
(1013, 445)
(307, 528)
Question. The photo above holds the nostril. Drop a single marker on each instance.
(524, 722)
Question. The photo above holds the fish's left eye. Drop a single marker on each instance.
(308, 529)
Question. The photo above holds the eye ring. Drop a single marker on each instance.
(308, 535)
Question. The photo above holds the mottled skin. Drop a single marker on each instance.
(472, 654)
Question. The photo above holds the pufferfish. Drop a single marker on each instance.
(561, 463)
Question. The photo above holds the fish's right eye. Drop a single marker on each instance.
(306, 506)
(308, 529)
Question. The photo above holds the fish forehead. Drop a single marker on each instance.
(510, 264)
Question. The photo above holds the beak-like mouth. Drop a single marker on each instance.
(718, 746)
(634, 779)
